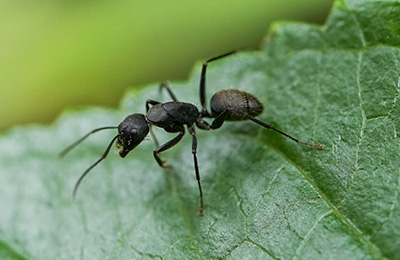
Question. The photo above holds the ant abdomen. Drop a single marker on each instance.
(239, 105)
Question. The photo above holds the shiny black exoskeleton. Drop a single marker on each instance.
(235, 105)
(173, 116)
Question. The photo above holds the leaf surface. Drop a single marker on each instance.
(266, 197)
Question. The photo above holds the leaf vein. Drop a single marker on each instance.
(392, 207)
(262, 248)
(307, 236)
(357, 22)
(240, 203)
(4, 246)
(361, 134)
(374, 250)
(269, 187)
(185, 217)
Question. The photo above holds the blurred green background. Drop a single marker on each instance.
(57, 54)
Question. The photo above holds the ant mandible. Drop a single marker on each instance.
(226, 105)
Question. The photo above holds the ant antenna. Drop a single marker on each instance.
(93, 165)
(69, 148)
(255, 120)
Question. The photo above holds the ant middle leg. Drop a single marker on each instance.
(166, 146)
(196, 165)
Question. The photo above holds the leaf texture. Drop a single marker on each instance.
(266, 197)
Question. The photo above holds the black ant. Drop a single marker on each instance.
(226, 105)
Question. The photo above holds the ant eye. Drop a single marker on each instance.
(121, 133)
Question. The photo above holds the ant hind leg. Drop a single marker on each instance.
(219, 120)
(255, 120)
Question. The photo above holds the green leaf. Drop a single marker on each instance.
(266, 197)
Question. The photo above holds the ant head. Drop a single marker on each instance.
(131, 133)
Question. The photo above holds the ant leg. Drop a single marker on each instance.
(166, 86)
(152, 102)
(166, 146)
(219, 120)
(203, 124)
(255, 120)
(196, 166)
(204, 111)
(154, 136)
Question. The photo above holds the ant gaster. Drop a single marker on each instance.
(173, 116)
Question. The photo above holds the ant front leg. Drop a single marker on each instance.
(166, 146)
(166, 86)
(196, 165)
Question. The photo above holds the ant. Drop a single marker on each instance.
(226, 105)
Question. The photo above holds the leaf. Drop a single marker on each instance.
(266, 197)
